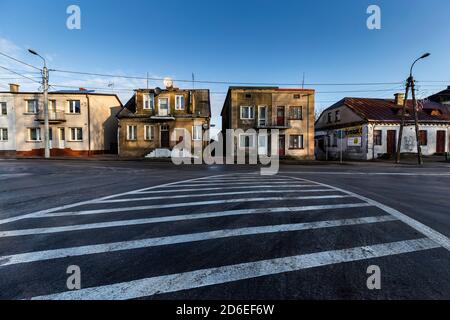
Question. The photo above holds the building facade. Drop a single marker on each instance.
(441, 97)
(155, 120)
(82, 123)
(290, 111)
(366, 129)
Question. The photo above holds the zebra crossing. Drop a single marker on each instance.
(198, 233)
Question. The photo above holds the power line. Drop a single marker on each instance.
(20, 74)
(20, 61)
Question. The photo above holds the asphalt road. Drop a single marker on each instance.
(140, 230)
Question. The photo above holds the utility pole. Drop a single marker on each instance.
(410, 84)
(46, 120)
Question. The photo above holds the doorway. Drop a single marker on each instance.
(391, 142)
(281, 145)
(280, 116)
(440, 141)
(165, 139)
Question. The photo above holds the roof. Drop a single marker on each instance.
(388, 111)
(201, 96)
(442, 96)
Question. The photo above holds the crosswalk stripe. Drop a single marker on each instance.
(171, 190)
(228, 183)
(184, 238)
(188, 204)
(226, 274)
(194, 216)
(211, 195)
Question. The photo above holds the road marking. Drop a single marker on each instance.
(423, 229)
(194, 216)
(186, 204)
(368, 173)
(184, 238)
(225, 274)
(211, 195)
(171, 190)
(226, 184)
(43, 212)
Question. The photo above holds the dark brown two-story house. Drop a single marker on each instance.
(155, 120)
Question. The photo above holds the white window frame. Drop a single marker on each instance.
(77, 138)
(35, 106)
(133, 135)
(149, 101)
(251, 115)
(263, 121)
(69, 103)
(1, 109)
(195, 135)
(38, 134)
(253, 136)
(178, 105)
(149, 129)
(2, 136)
(159, 106)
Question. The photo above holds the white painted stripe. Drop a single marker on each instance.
(184, 238)
(419, 174)
(13, 175)
(194, 216)
(225, 274)
(226, 184)
(188, 204)
(171, 190)
(423, 229)
(43, 212)
(212, 195)
(243, 180)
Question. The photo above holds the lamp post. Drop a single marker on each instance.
(411, 85)
(45, 89)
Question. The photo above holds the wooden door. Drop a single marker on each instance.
(165, 139)
(280, 116)
(391, 142)
(281, 146)
(440, 141)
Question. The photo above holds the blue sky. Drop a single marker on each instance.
(238, 41)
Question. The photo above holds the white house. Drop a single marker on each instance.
(366, 128)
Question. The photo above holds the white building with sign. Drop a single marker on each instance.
(365, 129)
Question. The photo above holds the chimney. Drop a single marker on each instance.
(399, 98)
(13, 88)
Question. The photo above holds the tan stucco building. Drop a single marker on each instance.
(290, 111)
(82, 123)
(153, 121)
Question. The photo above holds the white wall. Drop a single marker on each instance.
(8, 121)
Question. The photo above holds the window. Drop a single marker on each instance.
(32, 106)
(296, 141)
(423, 137)
(197, 132)
(149, 132)
(329, 117)
(52, 106)
(246, 141)
(74, 106)
(50, 134)
(247, 113)
(248, 96)
(34, 134)
(378, 137)
(131, 132)
(296, 113)
(149, 101)
(3, 134)
(337, 116)
(296, 96)
(163, 106)
(3, 110)
(179, 102)
(76, 134)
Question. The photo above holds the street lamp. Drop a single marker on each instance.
(45, 88)
(410, 85)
